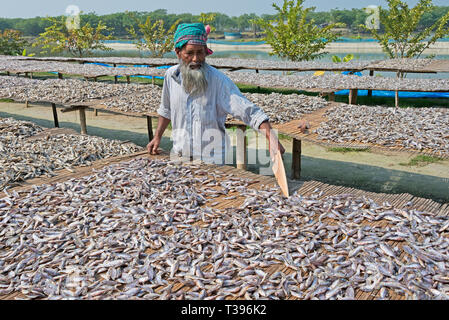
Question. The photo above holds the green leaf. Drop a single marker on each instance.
(348, 57)
(292, 36)
(402, 36)
(336, 59)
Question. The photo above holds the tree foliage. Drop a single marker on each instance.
(12, 43)
(208, 19)
(292, 37)
(120, 21)
(156, 39)
(402, 36)
(77, 41)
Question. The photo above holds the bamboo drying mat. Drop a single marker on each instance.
(316, 118)
(396, 200)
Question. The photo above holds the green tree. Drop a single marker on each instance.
(208, 19)
(12, 43)
(402, 37)
(157, 40)
(78, 41)
(292, 37)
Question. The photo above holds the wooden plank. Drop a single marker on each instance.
(296, 159)
(150, 128)
(444, 210)
(241, 147)
(55, 115)
(370, 92)
(436, 66)
(83, 126)
(353, 96)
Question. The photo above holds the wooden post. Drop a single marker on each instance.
(241, 146)
(55, 115)
(27, 104)
(353, 96)
(127, 79)
(115, 79)
(59, 75)
(332, 96)
(96, 112)
(257, 71)
(31, 75)
(370, 92)
(150, 128)
(83, 121)
(296, 159)
(396, 99)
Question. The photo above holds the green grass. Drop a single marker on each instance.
(347, 149)
(403, 102)
(421, 160)
(255, 89)
(6, 100)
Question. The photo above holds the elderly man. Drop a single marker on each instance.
(196, 99)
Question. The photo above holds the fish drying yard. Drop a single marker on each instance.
(84, 217)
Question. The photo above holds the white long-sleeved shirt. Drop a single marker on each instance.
(198, 122)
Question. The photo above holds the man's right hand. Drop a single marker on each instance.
(153, 146)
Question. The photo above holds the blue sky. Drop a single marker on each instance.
(33, 8)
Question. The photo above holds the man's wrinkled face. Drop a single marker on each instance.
(193, 55)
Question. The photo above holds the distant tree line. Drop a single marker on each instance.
(119, 23)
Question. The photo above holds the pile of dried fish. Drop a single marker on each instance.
(10, 82)
(227, 63)
(355, 65)
(22, 159)
(135, 61)
(69, 91)
(339, 82)
(86, 70)
(145, 102)
(243, 63)
(402, 64)
(282, 108)
(411, 128)
(143, 230)
(11, 129)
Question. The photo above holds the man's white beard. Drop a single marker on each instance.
(193, 80)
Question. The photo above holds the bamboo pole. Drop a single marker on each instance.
(55, 115)
(296, 159)
(241, 146)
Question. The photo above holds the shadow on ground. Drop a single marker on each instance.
(138, 138)
(366, 177)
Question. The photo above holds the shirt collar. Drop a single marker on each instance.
(177, 74)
